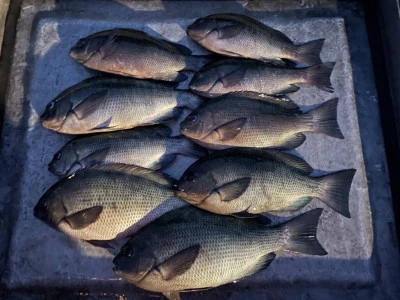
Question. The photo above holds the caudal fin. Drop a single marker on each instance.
(188, 148)
(308, 53)
(319, 76)
(195, 63)
(324, 119)
(302, 233)
(334, 189)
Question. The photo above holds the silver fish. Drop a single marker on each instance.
(191, 249)
(108, 104)
(106, 202)
(251, 181)
(240, 75)
(134, 53)
(262, 121)
(148, 147)
(241, 36)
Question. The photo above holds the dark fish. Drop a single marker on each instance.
(261, 121)
(238, 35)
(240, 75)
(134, 53)
(106, 202)
(251, 181)
(191, 249)
(101, 104)
(148, 147)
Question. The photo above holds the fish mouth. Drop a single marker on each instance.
(78, 58)
(195, 34)
(53, 170)
(41, 213)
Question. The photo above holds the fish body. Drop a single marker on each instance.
(191, 249)
(102, 104)
(134, 53)
(254, 181)
(238, 75)
(241, 36)
(148, 147)
(237, 121)
(106, 202)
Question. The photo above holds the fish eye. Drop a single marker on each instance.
(80, 44)
(51, 105)
(130, 252)
(58, 155)
(193, 118)
(191, 178)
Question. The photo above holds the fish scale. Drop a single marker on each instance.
(245, 75)
(251, 181)
(239, 35)
(229, 249)
(206, 272)
(108, 104)
(273, 186)
(261, 129)
(128, 202)
(134, 53)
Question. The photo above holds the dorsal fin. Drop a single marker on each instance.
(137, 34)
(288, 159)
(283, 101)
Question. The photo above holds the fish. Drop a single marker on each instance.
(106, 202)
(259, 121)
(148, 147)
(243, 75)
(191, 249)
(134, 53)
(254, 181)
(103, 104)
(238, 35)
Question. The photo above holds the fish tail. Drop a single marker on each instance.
(196, 62)
(188, 148)
(302, 233)
(308, 53)
(324, 119)
(334, 189)
(319, 76)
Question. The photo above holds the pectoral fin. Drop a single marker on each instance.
(290, 89)
(89, 104)
(110, 46)
(179, 263)
(84, 218)
(104, 125)
(234, 77)
(230, 130)
(95, 157)
(103, 244)
(294, 141)
(229, 31)
(234, 189)
(172, 295)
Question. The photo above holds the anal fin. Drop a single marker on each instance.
(294, 141)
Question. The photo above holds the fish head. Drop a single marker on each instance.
(196, 184)
(50, 208)
(56, 113)
(134, 261)
(86, 48)
(203, 81)
(64, 161)
(198, 124)
(200, 29)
